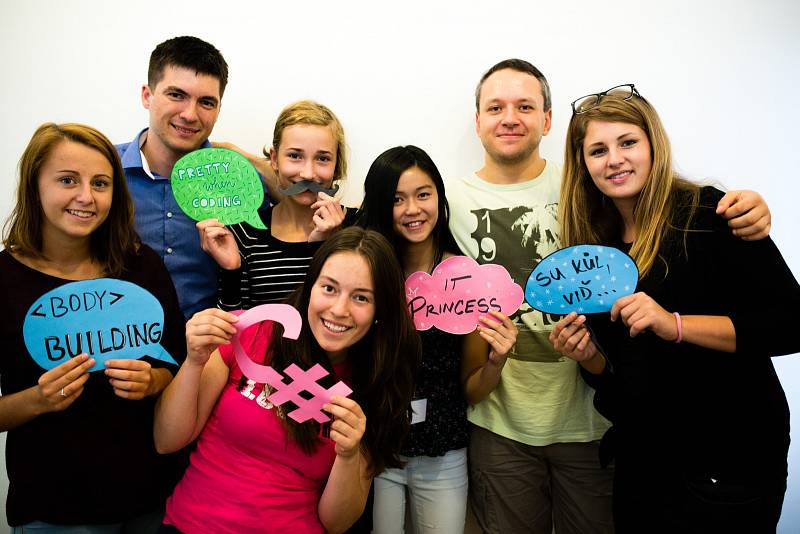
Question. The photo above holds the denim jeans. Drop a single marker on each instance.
(143, 524)
(437, 495)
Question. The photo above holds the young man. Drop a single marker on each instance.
(534, 460)
(185, 82)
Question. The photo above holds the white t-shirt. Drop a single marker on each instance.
(541, 398)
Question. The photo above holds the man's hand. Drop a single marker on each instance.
(747, 213)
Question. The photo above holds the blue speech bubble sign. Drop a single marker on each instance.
(105, 318)
(582, 278)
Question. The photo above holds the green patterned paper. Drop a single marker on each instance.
(218, 183)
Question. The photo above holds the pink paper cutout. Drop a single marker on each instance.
(280, 313)
(302, 380)
(458, 293)
(307, 380)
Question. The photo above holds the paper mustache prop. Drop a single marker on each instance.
(308, 185)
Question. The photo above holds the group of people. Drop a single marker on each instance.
(690, 429)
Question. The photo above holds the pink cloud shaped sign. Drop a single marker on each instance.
(459, 292)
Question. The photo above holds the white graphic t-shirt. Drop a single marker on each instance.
(541, 398)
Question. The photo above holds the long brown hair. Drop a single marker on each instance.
(588, 216)
(383, 362)
(112, 241)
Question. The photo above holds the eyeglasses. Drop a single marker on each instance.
(585, 103)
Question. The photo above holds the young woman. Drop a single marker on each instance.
(405, 200)
(255, 469)
(79, 451)
(262, 266)
(682, 367)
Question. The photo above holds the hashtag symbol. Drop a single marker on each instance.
(305, 381)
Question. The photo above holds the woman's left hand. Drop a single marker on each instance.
(131, 379)
(500, 333)
(640, 312)
(328, 215)
(349, 424)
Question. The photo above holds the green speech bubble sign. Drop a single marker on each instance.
(218, 183)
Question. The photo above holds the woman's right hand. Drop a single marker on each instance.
(207, 330)
(60, 386)
(218, 242)
(571, 338)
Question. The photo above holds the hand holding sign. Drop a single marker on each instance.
(104, 318)
(219, 243)
(639, 312)
(58, 388)
(581, 278)
(501, 335)
(220, 184)
(348, 426)
(302, 380)
(458, 293)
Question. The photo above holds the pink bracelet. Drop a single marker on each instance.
(680, 326)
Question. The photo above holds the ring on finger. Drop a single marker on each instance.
(63, 394)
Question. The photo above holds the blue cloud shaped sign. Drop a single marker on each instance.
(105, 318)
(582, 278)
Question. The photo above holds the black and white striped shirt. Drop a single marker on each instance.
(271, 269)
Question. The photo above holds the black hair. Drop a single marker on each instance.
(380, 187)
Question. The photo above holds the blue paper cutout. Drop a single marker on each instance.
(105, 318)
(581, 278)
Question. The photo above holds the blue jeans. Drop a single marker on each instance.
(143, 524)
(40, 527)
(437, 495)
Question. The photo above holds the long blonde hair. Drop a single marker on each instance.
(588, 216)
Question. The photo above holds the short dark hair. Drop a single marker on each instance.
(190, 53)
(380, 186)
(519, 65)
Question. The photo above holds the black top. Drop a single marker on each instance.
(439, 381)
(711, 413)
(94, 462)
(271, 269)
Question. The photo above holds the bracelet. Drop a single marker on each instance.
(680, 326)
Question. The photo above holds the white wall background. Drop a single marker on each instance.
(723, 75)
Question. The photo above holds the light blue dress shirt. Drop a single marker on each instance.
(162, 224)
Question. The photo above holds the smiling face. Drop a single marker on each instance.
(511, 119)
(416, 206)
(75, 191)
(184, 106)
(306, 152)
(341, 307)
(618, 159)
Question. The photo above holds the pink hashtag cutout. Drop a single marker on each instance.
(307, 381)
(302, 380)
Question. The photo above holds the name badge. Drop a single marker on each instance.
(418, 408)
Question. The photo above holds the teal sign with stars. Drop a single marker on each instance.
(582, 278)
